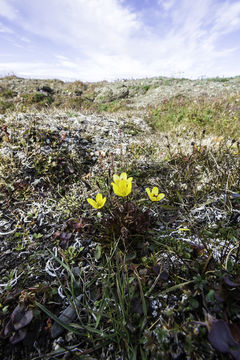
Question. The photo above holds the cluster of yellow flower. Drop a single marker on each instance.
(122, 186)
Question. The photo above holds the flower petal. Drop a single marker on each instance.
(99, 198)
(129, 188)
(92, 203)
(122, 188)
(155, 191)
(116, 178)
(123, 176)
(160, 196)
(148, 192)
(116, 189)
(100, 201)
(103, 201)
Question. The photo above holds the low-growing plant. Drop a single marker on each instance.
(5, 106)
(196, 114)
(111, 107)
(130, 275)
(124, 219)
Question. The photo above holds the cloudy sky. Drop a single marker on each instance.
(93, 40)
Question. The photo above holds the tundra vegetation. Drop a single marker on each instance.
(120, 219)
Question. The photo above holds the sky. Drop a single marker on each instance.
(94, 40)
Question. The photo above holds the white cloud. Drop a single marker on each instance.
(25, 39)
(82, 24)
(35, 70)
(166, 4)
(227, 18)
(4, 29)
(7, 10)
(65, 62)
(106, 39)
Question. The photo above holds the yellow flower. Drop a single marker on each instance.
(154, 195)
(123, 176)
(99, 203)
(122, 186)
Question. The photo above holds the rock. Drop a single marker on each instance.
(67, 316)
(121, 93)
(111, 93)
(46, 89)
(105, 95)
(78, 92)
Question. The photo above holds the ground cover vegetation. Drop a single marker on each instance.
(126, 251)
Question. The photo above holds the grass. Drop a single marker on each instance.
(218, 116)
(135, 279)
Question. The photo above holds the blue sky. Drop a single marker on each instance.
(93, 40)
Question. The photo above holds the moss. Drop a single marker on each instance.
(112, 106)
(7, 93)
(6, 106)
